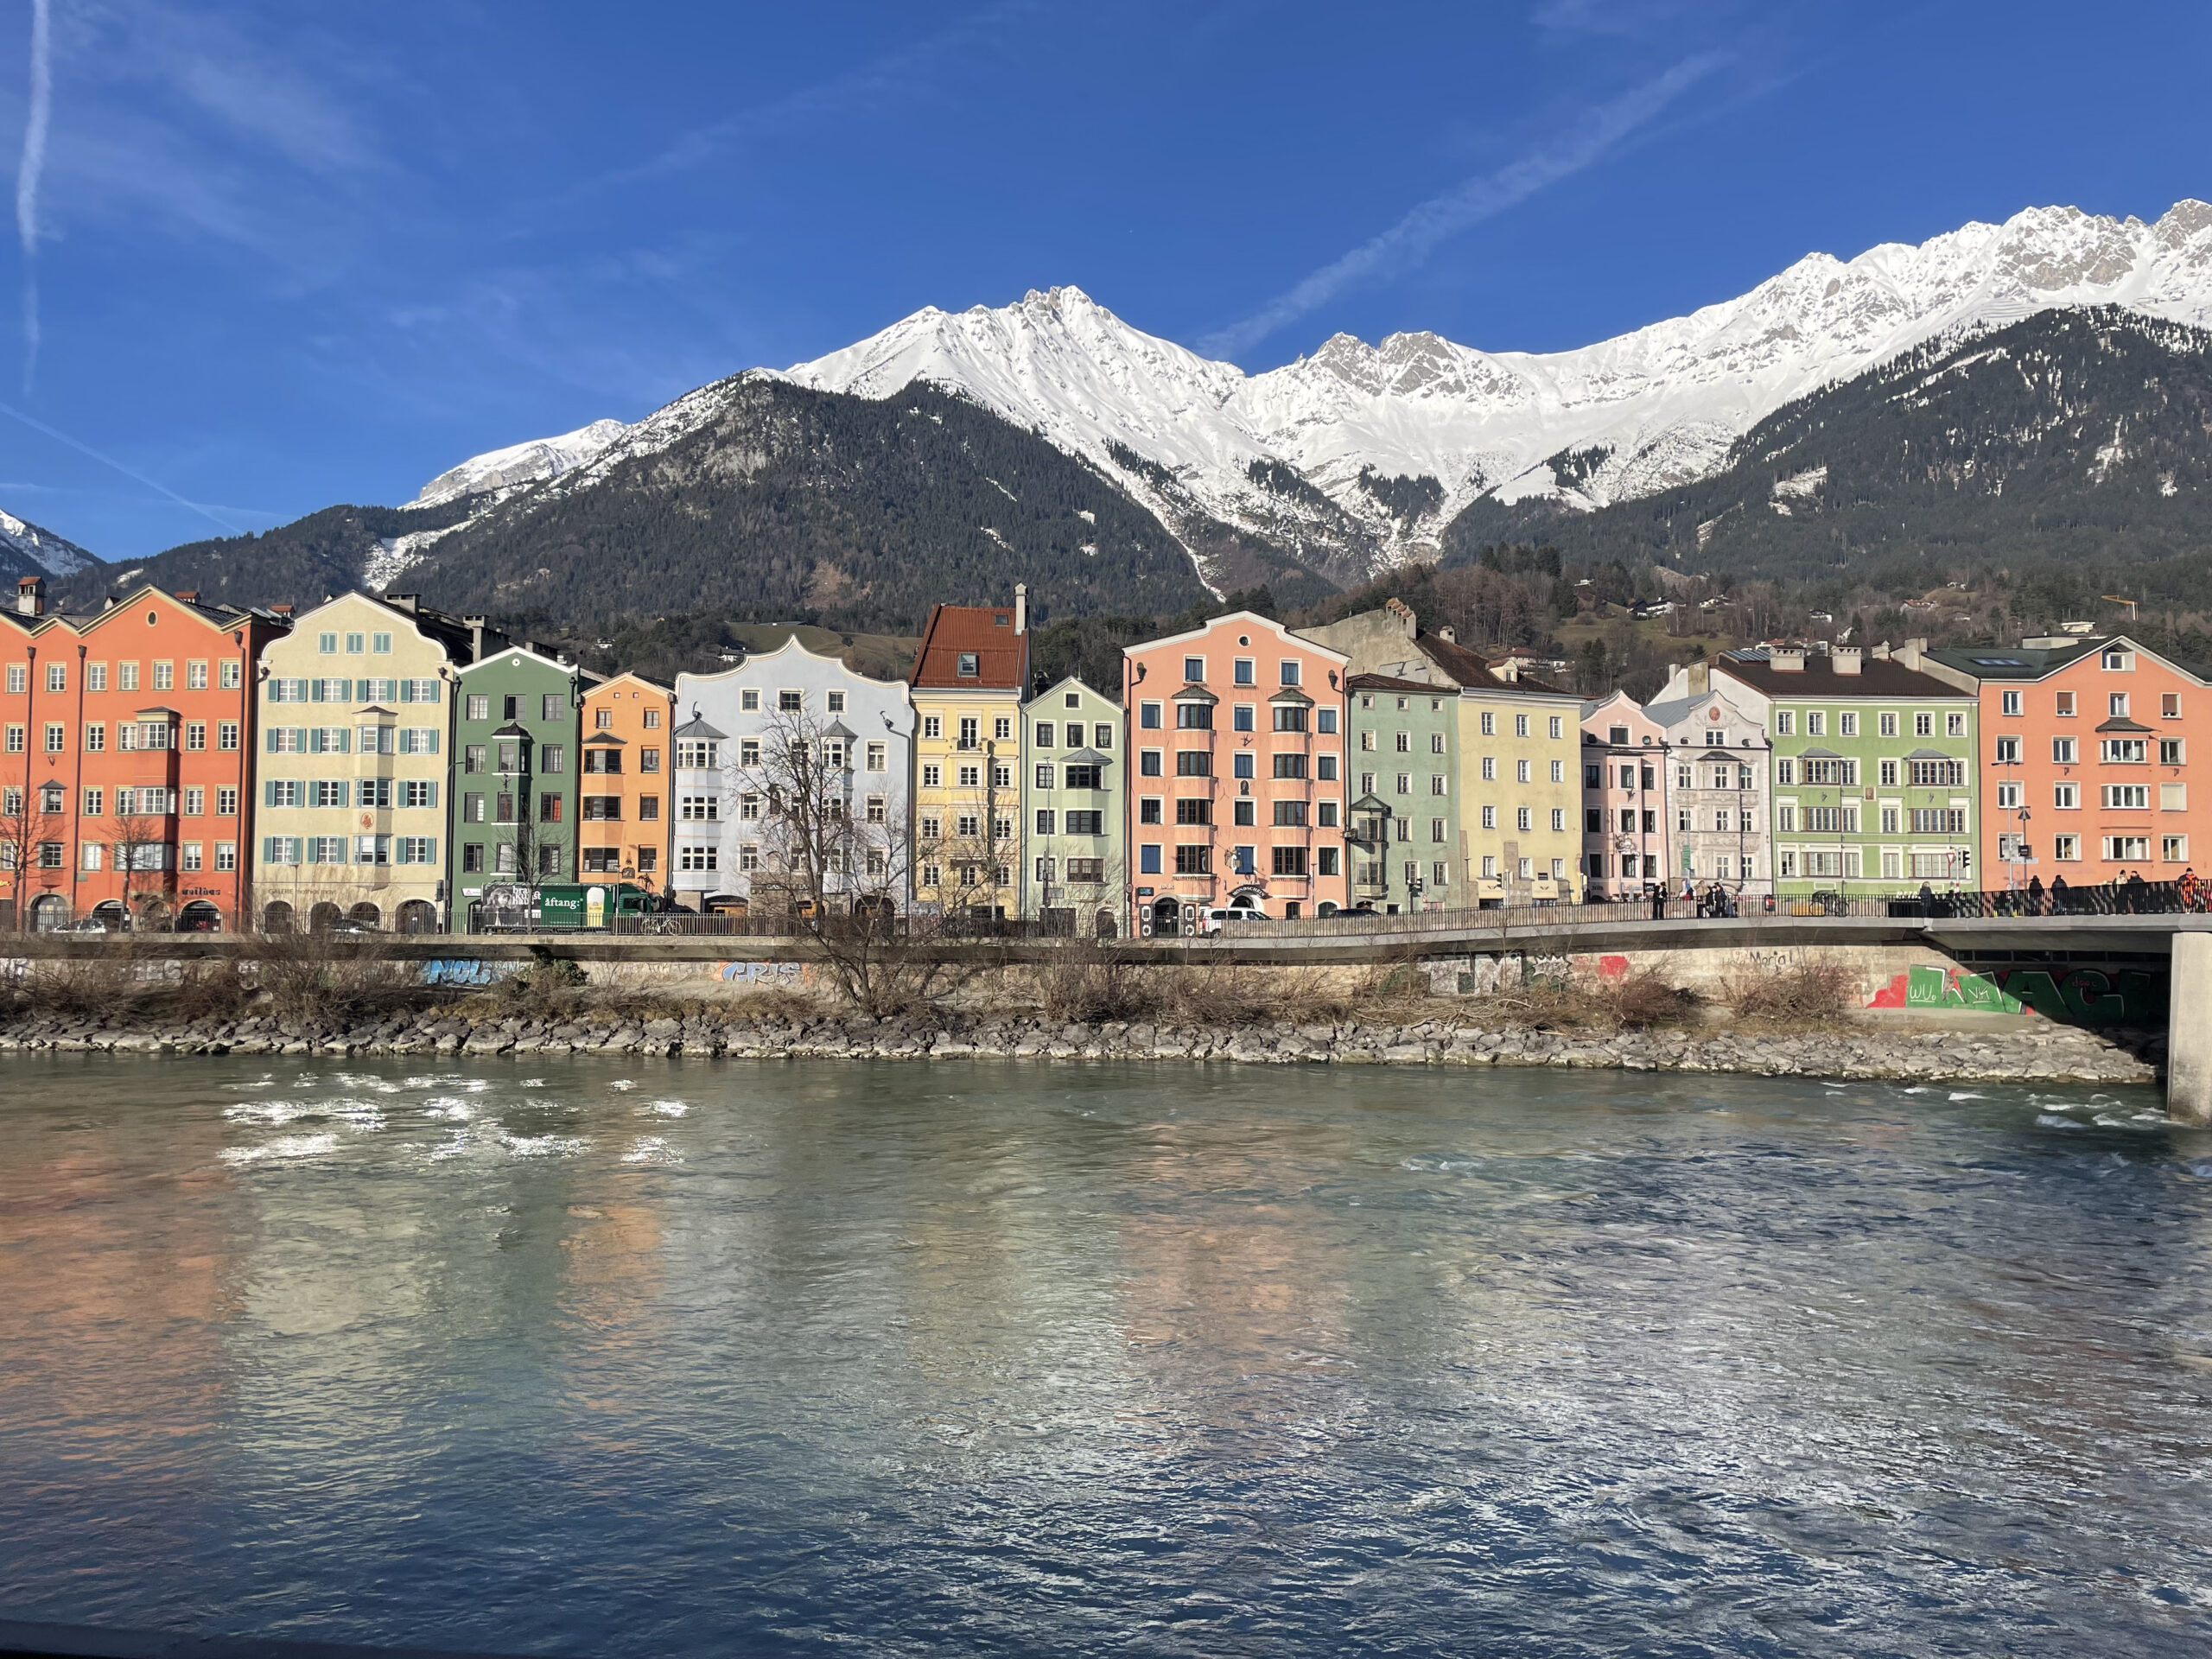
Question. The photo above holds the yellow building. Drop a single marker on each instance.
(971, 678)
(1520, 790)
(355, 709)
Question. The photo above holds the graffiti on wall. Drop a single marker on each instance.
(465, 971)
(781, 975)
(2080, 995)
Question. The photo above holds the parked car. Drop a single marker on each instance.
(94, 925)
(1213, 919)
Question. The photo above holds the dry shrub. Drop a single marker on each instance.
(1090, 982)
(210, 989)
(1638, 1001)
(1236, 994)
(1803, 991)
(317, 979)
(79, 987)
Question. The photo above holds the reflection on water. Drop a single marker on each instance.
(1018, 1359)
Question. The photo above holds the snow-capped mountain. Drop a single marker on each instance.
(521, 464)
(1304, 456)
(28, 549)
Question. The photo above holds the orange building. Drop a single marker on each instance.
(126, 758)
(624, 790)
(2085, 758)
(1238, 794)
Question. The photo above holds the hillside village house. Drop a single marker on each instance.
(1519, 778)
(1625, 815)
(350, 804)
(622, 791)
(127, 778)
(1239, 792)
(1076, 878)
(1719, 804)
(1873, 779)
(1402, 832)
(971, 679)
(790, 725)
(2084, 757)
(514, 783)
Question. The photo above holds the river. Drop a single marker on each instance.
(686, 1357)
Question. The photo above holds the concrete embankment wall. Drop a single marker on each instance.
(1888, 965)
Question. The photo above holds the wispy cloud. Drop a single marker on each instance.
(28, 172)
(1415, 237)
(84, 448)
(894, 77)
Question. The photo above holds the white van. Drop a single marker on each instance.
(1213, 918)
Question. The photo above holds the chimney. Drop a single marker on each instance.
(1022, 607)
(1846, 659)
(1882, 651)
(1700, 678)
(189, 595)
(1909, 652)
(30, 596)
(282, 610)
(1786, 660)
(1448, 634)
(407, 602)
(1402, 615)
(475, 625)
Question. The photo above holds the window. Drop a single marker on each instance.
(1189, 810)
(1290, 765)
(19, 678)
(1085, 822)
(1523, 818)
(1149, 810)
(2127, 798)
(1887, 723)
(2008, 751)
(2066, 798)
(1520, 725)
(1846, 725)
(2173, 797)
(1785, 721)
(2170, 751)
(1193, 763)
(2010, 702)
(701, 856)
(2119, 661)
(126, 676)
(95, 737)
(57, 677)
(1290, 814)
(57, 737)
(1246, 671)
(1559, 818)
(2126, 847)
(1194, 860)
(2124, 751)
(164, 676)
(1520, 772)
(1290, 717)
(1148, 859)
(1938, 821)
(2063, 751)
(1923, 725)
(1289, 860)
(2173, 849)
(1558, 726)
(699, 809)
(1490, 817)
(1816, 722)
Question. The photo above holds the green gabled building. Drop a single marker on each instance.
(516, 722)
(1072, 799)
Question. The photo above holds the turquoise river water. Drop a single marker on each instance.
(706, 1357)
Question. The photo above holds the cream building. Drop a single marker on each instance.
(971, 679)
(356, 707)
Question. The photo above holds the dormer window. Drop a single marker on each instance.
(969, 668)
(1000, 619)
(2118, 662)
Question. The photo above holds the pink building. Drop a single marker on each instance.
(1236, 730)
(1623, 799)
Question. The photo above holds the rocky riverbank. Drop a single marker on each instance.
(2028, 1051)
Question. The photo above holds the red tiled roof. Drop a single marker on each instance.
(1465, 667)
(1002, 655)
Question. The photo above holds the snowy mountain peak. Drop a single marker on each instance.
(26, 549)
(521, 463)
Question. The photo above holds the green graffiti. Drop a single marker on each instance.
(2143, 996)
(1979, 991)
(2091, 996)
(2033, 988)
(1924, 987)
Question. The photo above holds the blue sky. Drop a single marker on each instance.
(287, 256)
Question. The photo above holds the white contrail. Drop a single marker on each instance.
(27, 175)
(1413, 238)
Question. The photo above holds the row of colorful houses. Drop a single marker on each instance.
(381, 762)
